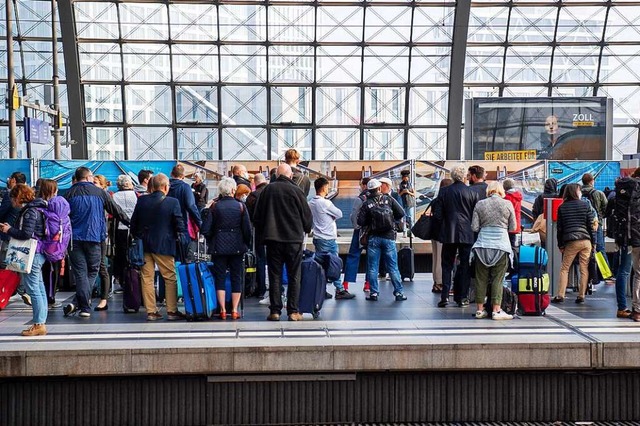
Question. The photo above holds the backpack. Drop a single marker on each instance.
(627, 190)
(382, 219)
(589, 196)
(57, 229)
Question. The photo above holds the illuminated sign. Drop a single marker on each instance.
(527, 155)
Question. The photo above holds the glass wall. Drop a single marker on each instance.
(335, 79)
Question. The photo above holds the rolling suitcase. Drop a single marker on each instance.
(250, 275)
(313, 285)
(406, 261)
(198, 290)
(131, 290)
(533, 294)
(9, 282)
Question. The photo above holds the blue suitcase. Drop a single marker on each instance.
(313, 286)
(532, 260)
(198, 290)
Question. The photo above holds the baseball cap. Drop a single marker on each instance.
(386, 180)
(373, 184)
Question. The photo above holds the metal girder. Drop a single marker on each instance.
(72, 71)
(456, 79)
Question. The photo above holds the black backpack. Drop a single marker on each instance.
(589, 196)
(627, 193)
(381, 215)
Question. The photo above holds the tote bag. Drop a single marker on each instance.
(20, 254)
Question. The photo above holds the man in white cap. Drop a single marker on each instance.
(378, 215)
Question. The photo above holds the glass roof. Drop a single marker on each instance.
(336, 79)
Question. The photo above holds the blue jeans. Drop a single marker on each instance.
(329, 246)
(353, 258)
(34, 286)
(385, 249)
(85, 263)
(622, 277)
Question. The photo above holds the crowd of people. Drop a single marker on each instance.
(475, 225)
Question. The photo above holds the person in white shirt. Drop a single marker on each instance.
(325, 231)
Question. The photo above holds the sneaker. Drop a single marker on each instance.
(464, 303)
(399, 297)
(557, 299)
(55, 305)
(481, 314)
(69, 309)
(273, 317)
(296, 316)
(373, 297)
(635, 316)
(501, 315)
(344, 294)
(328, 295)
(625, 313)
(118, 290)
(367, 287)
(442, 304)
(264, 301)
(26, 299)
(154, 316)
(175, 316)
(35, 330)
(84, 314)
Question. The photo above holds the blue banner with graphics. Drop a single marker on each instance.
(605, 172)
(62, 171)
(7, 167)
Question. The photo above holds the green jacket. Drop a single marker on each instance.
(597, 198)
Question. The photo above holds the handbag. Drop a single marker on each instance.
(135, 252)
(20, 255)
(422, 227)
(605, 271)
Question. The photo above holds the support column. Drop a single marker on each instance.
(456, 79)
(11, 82)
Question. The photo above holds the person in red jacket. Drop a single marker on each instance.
(515, 197)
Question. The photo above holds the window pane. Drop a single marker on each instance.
(428, 106)
(338, 105)
(340, 23)
(289, 23)
(193, 22)
(575, 64)
(581, 24)
(625, 141)
(242, 22)
(484, 64)
(142, 21)
(244, 144)
(387, 144)
(428, 144)
(244, 105)
(386, 64)
(100, 62)
(339, 64)
(488, 24)
(433, 24)
(197, 144)
(532, 24)
(150, 143)
(146, 62)
(105, 139)
(384, 105)
(148, 104)
(243, 64)
(385, 24)
(338, 144)
(623, 24)
(96, 20)
(291, 104)
(430, 64)
(103, 103)
(527, 64)
(291, 64)
(284, 139)
(196, 104)
(620, 64)
(195, 63)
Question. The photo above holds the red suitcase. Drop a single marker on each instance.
(9, 282)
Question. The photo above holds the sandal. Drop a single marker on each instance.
(437, 288)
(557, 299)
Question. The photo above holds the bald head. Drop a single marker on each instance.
(239, 170)
(284, 170)
(259, 179)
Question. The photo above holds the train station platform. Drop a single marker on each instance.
(353, 343)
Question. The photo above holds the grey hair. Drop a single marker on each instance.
(124, 182)
(226, 187)
(458, 173)
(508, 184)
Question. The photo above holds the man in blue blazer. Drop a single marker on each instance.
(158, 221)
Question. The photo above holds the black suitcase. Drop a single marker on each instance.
(406, 261)
(313, 285)
(250, 276)
(131, 290)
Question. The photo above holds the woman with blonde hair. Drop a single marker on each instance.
(493, 219)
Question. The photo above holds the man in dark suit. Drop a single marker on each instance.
(454, 213)
(157, 220)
